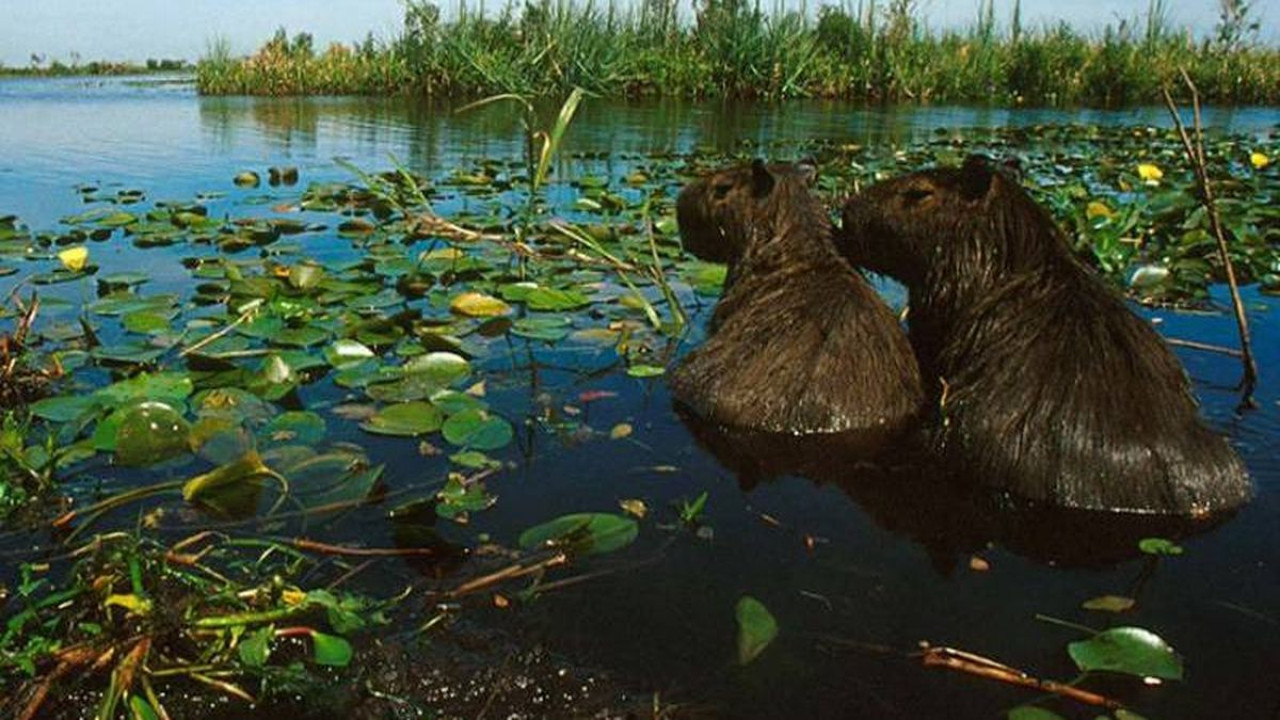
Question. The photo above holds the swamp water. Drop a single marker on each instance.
(573, 411)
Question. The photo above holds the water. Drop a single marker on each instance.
(847, 572)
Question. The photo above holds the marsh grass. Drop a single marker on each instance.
(872, 50)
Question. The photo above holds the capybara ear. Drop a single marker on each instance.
(761, 179)
(1011, 165)
(975, 177)
(808, 171)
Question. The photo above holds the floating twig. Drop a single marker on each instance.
(972, 664)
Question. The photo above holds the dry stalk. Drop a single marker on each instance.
(1195, 155)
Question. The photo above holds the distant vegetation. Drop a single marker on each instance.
(42, 67)
(877, 50)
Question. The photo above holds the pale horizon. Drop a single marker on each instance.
(138, 30)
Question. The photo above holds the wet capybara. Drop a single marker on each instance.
(1046, 384)
(799, 342)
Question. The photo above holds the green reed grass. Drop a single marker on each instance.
(872, 50)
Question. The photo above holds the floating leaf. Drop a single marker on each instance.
(645, 371)
(343, 353)
(1159, 546)
(1110, 603)
(1130, 650)
(458, 497)
(620, 431)
(541, 298)
(304, 427)
(239, 472)
(64, 408)
(444, 368)
(478, 430)
(1259, 160)
(756, 628)
(474, 304)
(150, 433)
(582, 533)
(405, 419)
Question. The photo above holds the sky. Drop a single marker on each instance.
(135, 30)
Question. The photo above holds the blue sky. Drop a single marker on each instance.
(140, 29)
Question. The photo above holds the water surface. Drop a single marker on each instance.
(875, 563)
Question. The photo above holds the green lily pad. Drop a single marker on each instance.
(641, 370)
(405, 419)
(295, 426)
(1130, 650)
(150, 433)
(583, 533)
(1159, 546)
(756, 628)
(478, 430)
(542, 298)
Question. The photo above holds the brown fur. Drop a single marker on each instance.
(1048, 385)
(799, 342)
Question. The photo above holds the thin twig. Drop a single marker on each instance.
(1195, 154)
(984, 667)
(1197, 345)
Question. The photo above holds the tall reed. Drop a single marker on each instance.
(874, 50)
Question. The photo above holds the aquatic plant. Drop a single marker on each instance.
(874, 52)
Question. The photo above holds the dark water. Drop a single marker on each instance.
(889, 565)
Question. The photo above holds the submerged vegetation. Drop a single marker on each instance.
(344, 347)
(873, 51)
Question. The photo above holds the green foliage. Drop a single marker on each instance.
(733, 49)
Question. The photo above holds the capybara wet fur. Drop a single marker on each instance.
(798, 343)
(1045, 384)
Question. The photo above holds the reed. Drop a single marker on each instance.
(874, 50)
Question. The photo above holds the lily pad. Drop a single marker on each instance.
(478, 430)
(405, 419)
(150, 433)
(1130, 650)
(756, 628)
(583, 533)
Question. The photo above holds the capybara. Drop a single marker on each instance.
(910, 492)
(798, 343)
(1045, 384)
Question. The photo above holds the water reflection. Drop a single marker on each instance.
(950, 516)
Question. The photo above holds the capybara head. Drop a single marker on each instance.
(973, 222)
(721, 213)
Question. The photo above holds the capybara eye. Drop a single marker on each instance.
(722, 189)
(915, 195)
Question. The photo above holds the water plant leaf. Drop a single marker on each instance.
(225, 477)
(543, 327)
(1130, 650)
(1159, 546)
(582, 533)
(474, 304)
(1110, 603)
(295, 426)
(441, 367)
(642, 370)
(255, 647)
(458, 497)
(756, 628)
(169, 387)
(543, 298)
(343, 353)
(331, 650)
(149, 433)
(146, 322)
(64, 408)
(478, 430)
(405, 419)
(140, 709)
